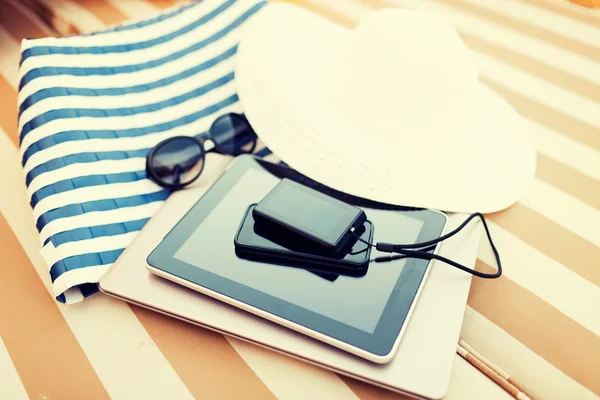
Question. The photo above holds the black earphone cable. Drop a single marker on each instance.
(423, 250)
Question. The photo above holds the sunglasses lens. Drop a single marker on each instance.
(177, 161)
(232, 134)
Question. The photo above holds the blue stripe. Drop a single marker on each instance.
(68, 91)
(83, 261)
(73, 210)
(88, 71)
(123, 48)
(67, 113)
(75, 235)
(61, 298)
(88, 289)
(122, 155)
(265, 151)
(85, 181)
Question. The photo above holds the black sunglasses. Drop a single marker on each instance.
(179, 161)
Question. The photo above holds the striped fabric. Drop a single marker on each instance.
(91, 107)
(539, 322)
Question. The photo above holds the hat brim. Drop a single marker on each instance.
(284, 62)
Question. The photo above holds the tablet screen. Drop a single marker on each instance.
(367, 312)
(358, 302)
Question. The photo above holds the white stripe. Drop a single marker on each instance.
(149, 32)
(137, 9)
(546, 20)
(11, 386)
(9, 60)
(73, 296)
(287, 378)
(133, 99)
(564, 209)
(531, 369)
(142, 55)
(105, 243)
(92, 193)
(552, 282)
(125, 143)
(75, 14)
(77, 170)
(540, 90)
(126, 122)
(142, 77)
(106, 329)
(99, 218)
(570, 152)
(525, 45)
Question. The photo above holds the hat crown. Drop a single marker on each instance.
(417, 68)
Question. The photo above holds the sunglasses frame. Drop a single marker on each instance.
(200, 143)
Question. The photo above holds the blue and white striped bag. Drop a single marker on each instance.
(90, 108)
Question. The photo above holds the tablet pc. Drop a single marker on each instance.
(362, 315)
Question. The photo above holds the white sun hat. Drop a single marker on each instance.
(392, 110)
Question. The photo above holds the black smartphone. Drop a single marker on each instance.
(286, 250)
(323, 220)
